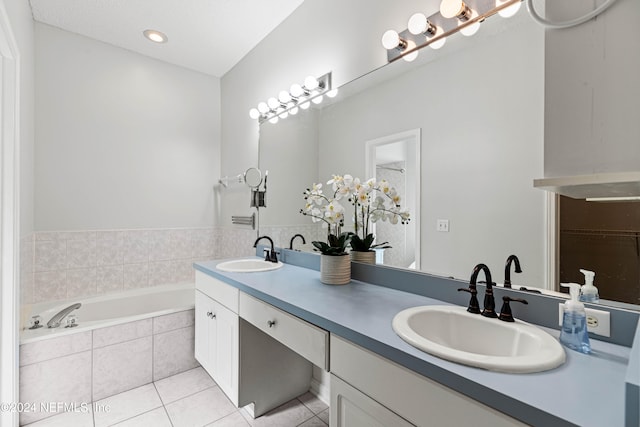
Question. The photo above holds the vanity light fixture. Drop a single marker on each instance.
(509, 11)
(298, 97)
(392, 40)
(459, 9)
(453, 16)
(420, 24)
(155, 36)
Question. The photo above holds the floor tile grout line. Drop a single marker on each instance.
(164, 406)
(184, 397)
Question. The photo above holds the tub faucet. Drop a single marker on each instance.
(489, 301)
(269, 255)
(304, 242)
(59, 317)
(507, 269)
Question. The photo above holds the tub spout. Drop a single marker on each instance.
(59, 317)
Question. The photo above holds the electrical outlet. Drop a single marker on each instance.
(598, 321)
(443, 225)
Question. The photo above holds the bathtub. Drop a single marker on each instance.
(109, 310)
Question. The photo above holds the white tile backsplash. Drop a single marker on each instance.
(70, 264)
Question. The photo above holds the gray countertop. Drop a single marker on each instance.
(588, 390)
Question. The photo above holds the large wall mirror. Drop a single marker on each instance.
(478, 105)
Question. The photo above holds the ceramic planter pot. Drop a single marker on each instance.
(335, 270)
(368, 257)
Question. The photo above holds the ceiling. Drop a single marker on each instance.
(209, 36)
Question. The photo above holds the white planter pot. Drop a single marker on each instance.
(335, 270)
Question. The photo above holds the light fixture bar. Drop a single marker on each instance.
(299, 97)
(449, 26)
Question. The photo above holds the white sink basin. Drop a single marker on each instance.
(450, 332)
(248, 265)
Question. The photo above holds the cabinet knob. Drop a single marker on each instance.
(271, 323)
(211, 315)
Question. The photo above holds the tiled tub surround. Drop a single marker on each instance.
(85, 263)
(90, 365)
(63, 265)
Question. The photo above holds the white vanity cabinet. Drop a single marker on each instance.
(256, 370)
(369, 390)
(217, 332)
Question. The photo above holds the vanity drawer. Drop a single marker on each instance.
(216, 289)
(306, 339)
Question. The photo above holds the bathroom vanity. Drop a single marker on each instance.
(375, 377)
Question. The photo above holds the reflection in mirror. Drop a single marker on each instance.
(396, 159)
(253, 177)
(480, 107)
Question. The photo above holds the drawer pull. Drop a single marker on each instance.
(271, 323)
(211, 315)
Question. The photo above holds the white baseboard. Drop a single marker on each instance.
(320, 385)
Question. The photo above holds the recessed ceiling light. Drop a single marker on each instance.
(155, 36)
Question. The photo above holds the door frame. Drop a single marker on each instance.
(9, 216)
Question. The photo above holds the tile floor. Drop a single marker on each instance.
(188, 399)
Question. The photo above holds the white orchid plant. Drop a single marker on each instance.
(372, 201)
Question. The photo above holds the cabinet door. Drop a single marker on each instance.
(226, 357)
(205, 333)
(351, 408)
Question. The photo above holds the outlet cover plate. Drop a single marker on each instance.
(598, 321)
(442, 225)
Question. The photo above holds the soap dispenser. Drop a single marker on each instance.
(588, 292)
(574, 334)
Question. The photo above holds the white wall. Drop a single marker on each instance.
(123, 140)
(22, 25)
(481, 115)
(479, 103)
(319, 36)
(592, 91)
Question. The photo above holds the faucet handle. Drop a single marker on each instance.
(505, 311)
(474, 305)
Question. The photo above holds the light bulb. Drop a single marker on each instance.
(470, 29)
(305, 105)
(417, 24)
(254, 113)
(332, 93)
(284, 96)
(263, 107)
(155, 36)
(296, 90)
(452, 8)
(410, 56)
(293, 111)
(273, 103)
(311, 83)
(284, 115)
(390, 39)
(438, 43)
(317, 100)
(509, 11)
(273, 120)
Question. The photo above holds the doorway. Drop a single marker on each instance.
(396, 159)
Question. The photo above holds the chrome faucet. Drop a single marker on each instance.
(294, 238)
(59, 317)
(507, 269)
(489, 301)
(270, 255)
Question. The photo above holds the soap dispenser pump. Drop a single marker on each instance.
(574, 334)
(588, 292)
